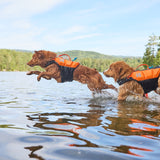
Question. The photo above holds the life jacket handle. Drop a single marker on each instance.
(65, 55)
(143, 65)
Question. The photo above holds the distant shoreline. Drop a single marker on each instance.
(12, 60)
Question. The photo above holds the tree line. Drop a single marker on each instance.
(13, 60)
(103, 64)
(152, 53)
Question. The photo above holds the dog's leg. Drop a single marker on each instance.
(158, 89)
(44, 75)
(129, 95)
(107, 86)
(33, 72)
(122, 93)
(93, 94)
(121, 98)
(37, 73)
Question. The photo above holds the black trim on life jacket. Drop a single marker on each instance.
(49, 63)
(66, 72)
(124, 80)
(147, 85)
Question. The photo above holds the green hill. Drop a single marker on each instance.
(15, 60)
(86, 54)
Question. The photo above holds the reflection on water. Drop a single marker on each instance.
(33, 149)
(46, 120)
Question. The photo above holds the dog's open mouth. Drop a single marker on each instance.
(31, 65)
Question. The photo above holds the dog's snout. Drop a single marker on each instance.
(30, 63)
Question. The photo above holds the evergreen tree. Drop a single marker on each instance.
(148, 57)
(151, 56)
(157, 61)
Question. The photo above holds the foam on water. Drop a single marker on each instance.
(111, 94)
(107, 94)
(153, 98)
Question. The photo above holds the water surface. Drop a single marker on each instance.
(49, 121)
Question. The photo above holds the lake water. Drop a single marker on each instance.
(50, 121)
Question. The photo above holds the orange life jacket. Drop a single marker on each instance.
(66, 68)
(148, 79)
(66, 63)
(145, 74)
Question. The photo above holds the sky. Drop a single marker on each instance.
(112, 27)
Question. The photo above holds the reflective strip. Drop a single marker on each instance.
(66, 63)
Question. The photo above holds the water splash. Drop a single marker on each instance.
(107, 94)
(153, 98)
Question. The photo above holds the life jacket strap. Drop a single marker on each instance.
(124, 80)
(49, 63)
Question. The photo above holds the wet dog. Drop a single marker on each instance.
(82, 74)
(133, 83)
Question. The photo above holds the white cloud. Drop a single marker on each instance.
(74, 29)
(128, 8)
(122, 45)
(85, 36)
(87, 11)
(16, 29)
(20, 41)
(21, 24)
(25, 8)
(61, 39)
(67, 36)
(55, 40)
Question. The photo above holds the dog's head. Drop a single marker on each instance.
(118, 70)
(40, 58)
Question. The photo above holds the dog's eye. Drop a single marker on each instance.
(110, 68)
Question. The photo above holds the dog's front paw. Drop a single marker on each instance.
(38, 78)
(158, 91)
(29, 73)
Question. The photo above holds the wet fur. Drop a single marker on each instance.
(119, 70)
(82, 74)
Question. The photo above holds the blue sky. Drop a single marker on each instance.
(117, 27)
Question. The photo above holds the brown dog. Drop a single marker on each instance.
(134, 83)
(83, 74)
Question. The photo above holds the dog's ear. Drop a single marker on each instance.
(51, 54)
(120, 70)
(40, 54)
(124, 70)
